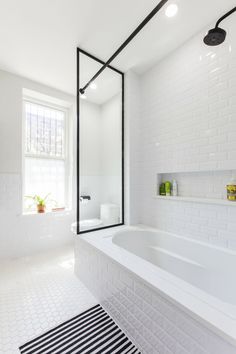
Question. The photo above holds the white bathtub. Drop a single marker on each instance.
(212, 270)
(193, 277)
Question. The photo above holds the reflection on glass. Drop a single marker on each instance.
(100, 146)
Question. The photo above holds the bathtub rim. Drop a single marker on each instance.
(210, 317)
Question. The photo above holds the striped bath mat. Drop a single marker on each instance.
(93, 331)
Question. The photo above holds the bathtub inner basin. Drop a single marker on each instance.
(206, 267)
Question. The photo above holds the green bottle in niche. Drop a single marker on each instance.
(168, 188)
(162, 190)
(231, 190)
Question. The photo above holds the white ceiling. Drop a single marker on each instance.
(38, 38)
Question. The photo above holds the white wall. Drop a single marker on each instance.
(25, 234)
(188, 123)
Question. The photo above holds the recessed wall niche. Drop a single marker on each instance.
(202, 186)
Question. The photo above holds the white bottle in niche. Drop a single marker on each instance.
(174, 188)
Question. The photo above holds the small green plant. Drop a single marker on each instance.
(39, 201)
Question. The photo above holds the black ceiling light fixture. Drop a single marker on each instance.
(126, 42)
(217, 35)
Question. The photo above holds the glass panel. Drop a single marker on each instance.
(100, 146)
(42, 177)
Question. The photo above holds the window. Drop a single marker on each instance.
(45, 165)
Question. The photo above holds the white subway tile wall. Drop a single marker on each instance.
(154, 324)
(188, 124)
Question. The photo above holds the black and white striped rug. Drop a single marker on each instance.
(93, 331)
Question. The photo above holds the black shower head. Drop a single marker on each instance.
(215, 36)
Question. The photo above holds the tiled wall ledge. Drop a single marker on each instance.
(198, 200)
(154, 324)
(207, 187)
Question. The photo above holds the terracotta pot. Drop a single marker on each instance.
(41, 208)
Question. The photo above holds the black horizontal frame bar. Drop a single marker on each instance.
(101, 228)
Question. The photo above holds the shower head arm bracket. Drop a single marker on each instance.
(224, 16)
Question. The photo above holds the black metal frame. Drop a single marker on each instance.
(106, 64)
(79, 50)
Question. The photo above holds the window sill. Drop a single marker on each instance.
(65, 211)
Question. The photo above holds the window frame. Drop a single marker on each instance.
(66, 157)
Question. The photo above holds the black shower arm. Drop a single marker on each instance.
(224, 16)
(126, 42)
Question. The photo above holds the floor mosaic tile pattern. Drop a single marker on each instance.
(36, 294)
(93, 331)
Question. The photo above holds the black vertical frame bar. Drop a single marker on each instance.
(77, 146)
(123, 148)
(79, 50)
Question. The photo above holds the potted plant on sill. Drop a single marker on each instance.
(40, 202)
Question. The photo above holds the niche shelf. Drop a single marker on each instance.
(203, 187)
(198, 200)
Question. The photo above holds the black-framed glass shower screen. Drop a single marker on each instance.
(100, 146)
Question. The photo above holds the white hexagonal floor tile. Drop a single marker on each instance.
(36, 294)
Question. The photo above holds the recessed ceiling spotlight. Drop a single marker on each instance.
(171, 10)
(93, 86)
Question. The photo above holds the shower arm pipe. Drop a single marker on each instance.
(224, 16)
(126, 42)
